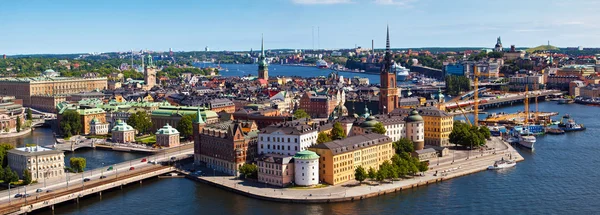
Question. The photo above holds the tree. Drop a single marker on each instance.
(185, 127)
(70, 124)
(26, 177)
(141, 121)
(337, 132)
(4, 148)
(29, 117)
(423, 166)
(372, 174)
(495, 54)
(485, 131)
(404, 145)
(379, 128)
(360, 174)
(77, 164)
(249, 171)
(323, 138)
(301, 114)
(468, 136)
(18, 123)
(10, 175)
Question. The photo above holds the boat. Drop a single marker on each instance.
(497, 130)
(502, 164)
(562, 122)
(565, 101)
(525, 138)
(321, 64)
(402, 72)
(555, 131)
(572, 126)
(415, 80)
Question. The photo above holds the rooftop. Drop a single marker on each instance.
(354, 143)
(34, 150)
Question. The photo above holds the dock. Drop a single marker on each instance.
(515, 118)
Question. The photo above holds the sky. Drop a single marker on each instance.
(76, 26)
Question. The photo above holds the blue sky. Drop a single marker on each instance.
(76, 26)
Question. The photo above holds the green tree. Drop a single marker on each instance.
(301, 114)
(379, 128)
(1, 173)
(4, 148)
(18, 123)
(485, 131)
(380, 175)
(70, 124)
(77, 164)
(495, 54)
(323, 138)
(29, 114)
(141, 121)
(423, 166)
(249, 171)
(467, 136)
(10, 175)
(360, 174)
(337, 132)
(372, 173)
(404, 145)
(26, 177)
(185, 127)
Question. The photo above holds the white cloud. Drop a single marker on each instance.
(321, 1)
(394, 2)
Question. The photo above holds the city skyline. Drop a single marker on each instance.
(40, 27)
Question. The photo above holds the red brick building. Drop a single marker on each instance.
(317, 106)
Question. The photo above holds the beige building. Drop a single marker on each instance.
(98, 127)
(47, 103)
(167, 136)
(24, 88)
(123, 133)
(42, 163)
(275, 169)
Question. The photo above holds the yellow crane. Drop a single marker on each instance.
(476, 96)
(463, 113)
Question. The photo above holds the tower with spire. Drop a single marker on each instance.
(263, 66)
(197, 125)
(150, 73)
(498, 47)
(388, 95)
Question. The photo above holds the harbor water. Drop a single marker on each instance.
(559, 177)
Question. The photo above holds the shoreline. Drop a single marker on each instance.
(348, 192)
(17, 134)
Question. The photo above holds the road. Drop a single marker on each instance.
(72, 179)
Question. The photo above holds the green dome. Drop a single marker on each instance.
(414, 117)
(167, 129)
(306, 155)
(369, 123)
(122, 126)
(95, 120)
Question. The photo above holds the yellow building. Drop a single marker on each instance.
(24, 88)
(339, 158)
(438, 124)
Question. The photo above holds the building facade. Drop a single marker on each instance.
(339, 158)
(98, 128)
(275, 169)
(123, 133)
(306, 168)
(287, 138)
(42, 163)
(318, 106)
(167, 136)
(24, 88)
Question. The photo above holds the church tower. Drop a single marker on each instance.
(197, 125)
(388, 95)
(150, 73)
(263, 66)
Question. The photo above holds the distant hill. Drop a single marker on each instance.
(542, 48)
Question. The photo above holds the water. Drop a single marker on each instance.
(560, 177)
(281, 70)
(94, 157)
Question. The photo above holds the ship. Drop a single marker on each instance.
(402, 72)
(502, 164)
(321, 64)
(572, 126)
(527, 140)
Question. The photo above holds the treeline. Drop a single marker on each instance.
(402, 164)
(457, 84)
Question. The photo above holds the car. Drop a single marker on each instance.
(102, 177)
(39, 190)
(173, 158)
(48, 191)
(144, 160)
(131, 168)
(25, 195)
(18, 195)
(86, 179)
(152, 162)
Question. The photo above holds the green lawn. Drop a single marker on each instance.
(147, 139)
(307, 188)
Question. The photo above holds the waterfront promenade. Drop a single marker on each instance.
(448, 168)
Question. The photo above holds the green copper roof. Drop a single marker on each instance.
(95, 120)
(168, 130)
(414, 117)
(369, 123)
(122, 126)
(198, 119)
(306, 155)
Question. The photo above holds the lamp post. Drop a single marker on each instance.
(102, 171)
(9, 192)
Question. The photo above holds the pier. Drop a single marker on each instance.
(510, 99)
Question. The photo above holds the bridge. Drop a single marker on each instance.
(76, 186)
(510, 99)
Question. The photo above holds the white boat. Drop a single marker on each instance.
(402, 72)
(527, 140)
(502, 164)
(321, 64)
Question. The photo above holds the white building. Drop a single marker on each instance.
(415, 129)
(306, 168)
(394, 125)
(97, 127)
(42, 163)
(287, 138)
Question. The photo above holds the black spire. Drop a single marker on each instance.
(387, 40)
(387, 67)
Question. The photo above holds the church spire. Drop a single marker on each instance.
(387, 40)
(262, 46)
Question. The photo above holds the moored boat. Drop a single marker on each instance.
(554, 131)
(502, 164)
(572, 126)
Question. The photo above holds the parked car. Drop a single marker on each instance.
(18, 195)
(152, 162)
(103, 177)
(86, 179)
(48, 191)
(25, 195)
(144, 160)
(39, 190)
(131, 168)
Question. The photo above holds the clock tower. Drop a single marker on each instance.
(388, 92)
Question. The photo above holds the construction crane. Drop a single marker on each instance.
(463, 113)
(476, 97)
(526, 101)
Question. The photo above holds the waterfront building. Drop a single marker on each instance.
(10, 111)
(123, 133)
(590, 91)
(197, 126)
(225, 147)
(275, 169)
(415, 127)
(318, 105)
(172, 115)
(25, 88)
(42, 163)
(287, 138)
(339, 158)
(167, 136)
(306, 168)
(425, 154)
(98, 127)
(263, 66)
(575, 88)
(388, 95)
(47, 103)
(560, 82)
(427, 126)
(533, 82)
